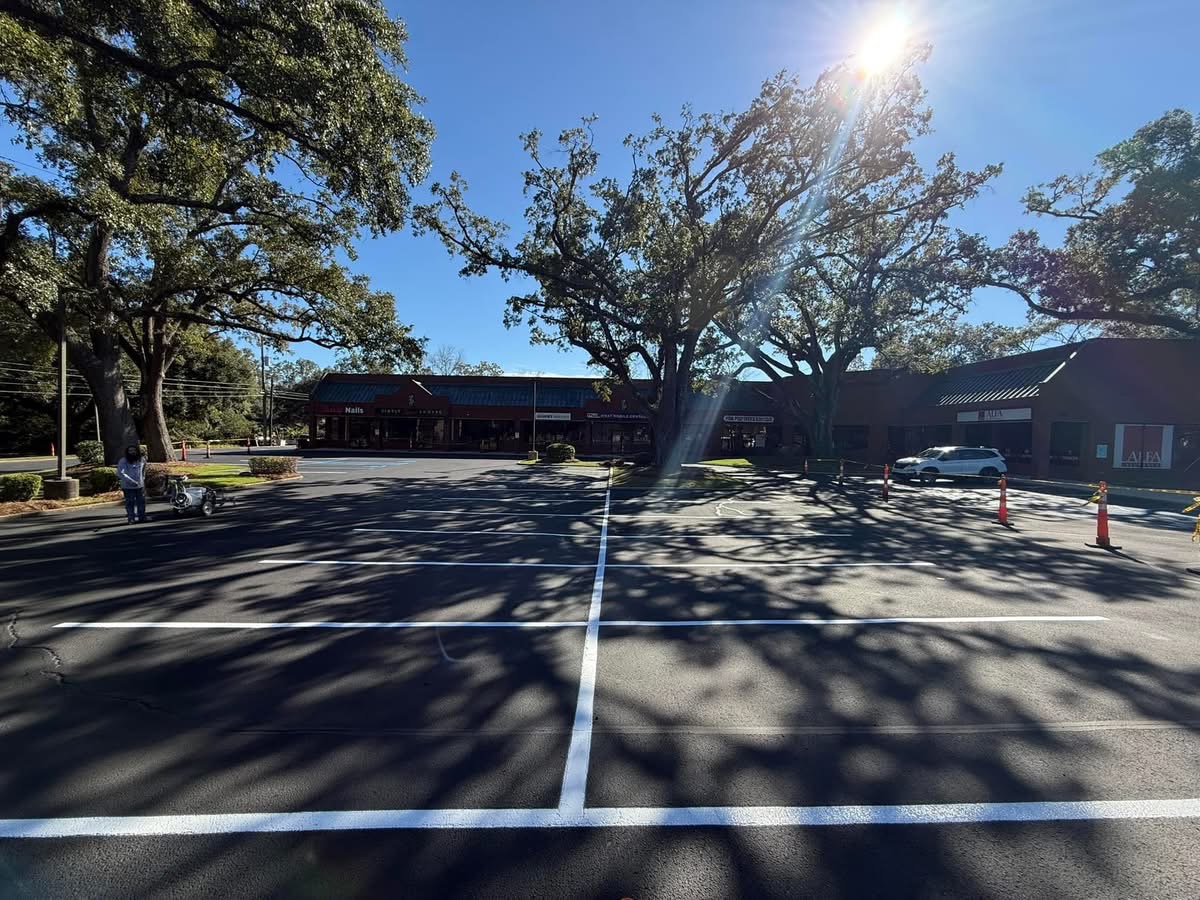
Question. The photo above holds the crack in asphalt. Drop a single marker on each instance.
(59, 678)
(14, 643)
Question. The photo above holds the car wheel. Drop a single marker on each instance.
(989, 472)
(207, 506)
(928, 476)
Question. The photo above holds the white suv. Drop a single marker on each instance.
(950, 462)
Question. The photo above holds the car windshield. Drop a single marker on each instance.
(931, 453)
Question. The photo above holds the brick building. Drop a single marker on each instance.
(1123, 409)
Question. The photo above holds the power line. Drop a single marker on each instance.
(25, 165)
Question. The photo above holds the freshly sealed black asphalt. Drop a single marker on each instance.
(1101, 705)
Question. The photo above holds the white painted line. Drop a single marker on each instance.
(422, 563)
(771, 565)
(662, 535)
(520, 500)
(575, 772)
(600, 817)
(545, 515)
(890, 620)
(491, 533)
(261, 626)
(496, 514)
(735, 535)
(543, 565)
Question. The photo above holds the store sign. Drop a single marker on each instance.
(353, 411)
(552, 416)
(1143, 446)
(623, 417)
(754, 420)
(409, 411)
(1021, 414)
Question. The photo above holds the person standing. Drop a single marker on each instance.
(131, 471)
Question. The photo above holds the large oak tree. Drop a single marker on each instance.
(1130, 258)
(212, 160)
(898, 269)
(634, 271)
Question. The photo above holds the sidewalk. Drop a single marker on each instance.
(1149, 498)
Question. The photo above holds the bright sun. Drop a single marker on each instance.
(884, 44)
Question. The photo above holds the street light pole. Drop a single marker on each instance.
(533, 439)
(62, 487)
(62, 386)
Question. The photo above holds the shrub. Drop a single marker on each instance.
(103, 479)
(21, 486)
(560, 453)
(156, 479)
(272, 465)
(90, 453)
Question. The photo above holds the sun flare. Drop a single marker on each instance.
(884, 43)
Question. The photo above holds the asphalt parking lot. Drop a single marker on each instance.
(451, 677)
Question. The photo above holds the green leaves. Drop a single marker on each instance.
(1131, 255)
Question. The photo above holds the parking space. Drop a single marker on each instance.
(453, 644)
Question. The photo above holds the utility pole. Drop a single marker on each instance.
(62, 487)
(262, 349)
(533, 440)
(96, 414)
(62, 386)
(271, 416)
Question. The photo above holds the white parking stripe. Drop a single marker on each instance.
(542, 565)
(262, 626)
(613, 817)
(890, 620)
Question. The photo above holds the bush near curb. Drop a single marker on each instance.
(272, 465)
(21, 486)
(103, 479)
(90, 453)
(156, 479)
(560, 453)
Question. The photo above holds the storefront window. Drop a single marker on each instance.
(1066, 443)
(850, 438)
(360, 431)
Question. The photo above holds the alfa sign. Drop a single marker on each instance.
(1143, 446)
(1021, 414)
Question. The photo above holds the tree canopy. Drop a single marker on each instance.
(898, 270)
(635, 271)
(1131, 254)
(212, 163)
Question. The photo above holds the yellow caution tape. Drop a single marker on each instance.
(1095, 498)
(1195, 505)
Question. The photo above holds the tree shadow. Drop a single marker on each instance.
(134, 722)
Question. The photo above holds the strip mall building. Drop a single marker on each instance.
(1123, 409)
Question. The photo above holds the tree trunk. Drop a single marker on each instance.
(154, 361)
(100, 366)
(154, 422)
(825, 387)
(667, 420)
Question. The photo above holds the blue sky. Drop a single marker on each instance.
(1039, 85)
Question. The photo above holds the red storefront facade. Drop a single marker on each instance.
(1123, 409)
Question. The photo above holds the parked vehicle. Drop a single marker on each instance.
(950, 462)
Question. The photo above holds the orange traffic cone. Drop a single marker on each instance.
(886, 475)
(1002, 516)
(184, 451)
(806, 467)
(1102, 539)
